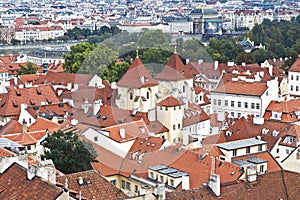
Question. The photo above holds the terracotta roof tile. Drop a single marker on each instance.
(170, 102)
(194, 114)
(241, 88)
(137, 76)
(12, 126)
(263, 188)
(295, 66)
(42, 124)
(94, 185)
(174, 70)
(15, 185)
(5, 153)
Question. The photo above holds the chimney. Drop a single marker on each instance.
(24, 126)
(200, 61)
(215, 184)
(271, 70)
(251, 173)
(122, 133)
(80, 180)
(187, 61)
(243, 64)
(216, 64)
(186, 182)
(97, 106)
(152, 115)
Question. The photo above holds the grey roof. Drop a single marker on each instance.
(168, 171)
(241, 163)
(241, 144)
(178, 174)
(158, 167)
(4, 142)
(256, 160)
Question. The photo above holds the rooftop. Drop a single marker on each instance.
(241, 144)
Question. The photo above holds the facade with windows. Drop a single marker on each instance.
(294, 79)
(240, 99)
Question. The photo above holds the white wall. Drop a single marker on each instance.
(120, 149)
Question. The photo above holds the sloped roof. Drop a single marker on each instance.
(15, 185)
(194, 114)
(275, 185)
(241, 88)
(25, 139)
(12, 126)
(95, 186)
(295, 66)
(43, 124)
(10, 102)
(170, 102)
(173, 70)
(137, 76)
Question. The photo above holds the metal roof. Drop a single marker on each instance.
(178, 174)
(256, 160)
(242, 163)
(241, 144)
(168, 171)
(4, 142)
(158, 167)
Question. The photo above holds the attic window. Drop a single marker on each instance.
(49, 102)
(38, 91)
(14, 104)
(2, 105)
(104, 118)
(18, 92)
(31, 102)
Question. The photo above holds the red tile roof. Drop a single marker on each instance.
(194, 114)
(173, 71)
(15, 185)
(95, 186)
(11, 102)
(12, 126)
(5, 153)
(137, 76)
(170, 102)
(25, 139)
(42, 124)
(146, 145)
(241, 88)
(295, 66)
(274, 185)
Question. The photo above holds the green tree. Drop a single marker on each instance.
(114, 72)
(78, 54)
(153, 38)
(68, 153)
(244, 57)
(97, 60)
(262, 54)
(28, 69)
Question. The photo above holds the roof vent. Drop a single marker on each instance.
(80, 180)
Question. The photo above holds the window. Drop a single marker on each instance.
(261, 168)
(247, 150)
(277, 150)
(166, 108)
(123, 184)
(252, 105)
(260, 147)
(287, 151)
(226, 102)
(136, 188)
(257, 106)
(95, 138)
(292, 88)
(232, 114)
(246, 104)
(297, 88)
(161, 178)
(148, 94)
(152, 175)
(239, 104)
(178, 126)
(131, 95)
(114, 182)
(128, 186)
(172, 182)
(183, 88)
(160, 107)
(232, 103)
(234, 152)
(29, 147)
(292, 77)
(174, 127)
(215, 102)
(219, 102)
(297, 78)
(267, 93)
(239, 115)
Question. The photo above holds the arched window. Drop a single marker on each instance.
(148, 94)
(131, 95)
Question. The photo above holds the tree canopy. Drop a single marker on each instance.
(28, 69)
(68, 153)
